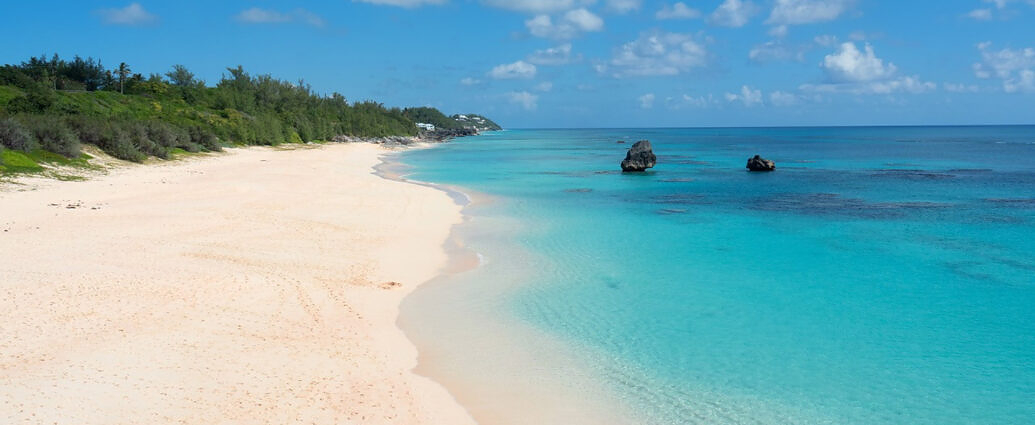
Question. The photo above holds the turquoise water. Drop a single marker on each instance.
(879, 276)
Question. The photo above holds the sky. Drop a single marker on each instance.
(584, 63)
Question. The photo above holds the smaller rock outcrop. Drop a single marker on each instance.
(640, 157)
(620, 142)
(760, 164)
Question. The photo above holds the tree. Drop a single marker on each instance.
(123, 72)
(180, 76)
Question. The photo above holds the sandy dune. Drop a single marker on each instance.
(257, 286)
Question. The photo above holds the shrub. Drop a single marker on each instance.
(14, 136)
(53, 135)
(138, 134)
(89, 130)
(117, 142)
(204, 138)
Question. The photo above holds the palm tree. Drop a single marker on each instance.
(123, 73)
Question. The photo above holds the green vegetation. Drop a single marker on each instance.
(432, 116)
(477, 122)
(456, 122)
(57, 105)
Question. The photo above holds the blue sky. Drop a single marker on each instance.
(586, 63)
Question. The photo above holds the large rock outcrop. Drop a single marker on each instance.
(760, 164)
(640, 157)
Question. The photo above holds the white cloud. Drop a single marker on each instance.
(657, 53)
(468, 81)
(570, 25)
(748, 96)
(796, 12)
(516, 70)
(526, 100)
(780, 98)
(901, 84)
(849, 65)
(679, 10)
(778, 31)
(733, 13)
(584, 20)
(961, 88)
(775, 51)
(264, 16)
(849, 70)
(1014, 67)
(560, 55)
(134, 14)
(825, 40)
(403, 3)
(544, 86)
(980, 14)
(623, 6)
(698, 101)
(538, 6)
(646, 101)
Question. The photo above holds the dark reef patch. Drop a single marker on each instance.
(832, 204)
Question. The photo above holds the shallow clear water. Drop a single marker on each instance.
(879, 276)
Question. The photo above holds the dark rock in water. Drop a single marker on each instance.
(579, 190)
(760, 164)
(640, 157)
(620, 142)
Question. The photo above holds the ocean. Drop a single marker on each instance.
(881, 275)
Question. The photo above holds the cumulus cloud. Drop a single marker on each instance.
(516, 70)
(559, 55)
(748, 96)
(623, 6)
(538, 6)
(468, 81)
(850, 70)
(544, 86)
(849, 64)
(657, 53)
(796, 12)
(403, 3)
(256, 15)
(678, 10)
(733, 13)
(1014, 67)
(778, 31)
(526, 100)
(569, 26)
(646, 101)
(134, 14)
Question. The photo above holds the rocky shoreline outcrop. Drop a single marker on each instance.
(757, 163)
(640, 157)
(436, 136)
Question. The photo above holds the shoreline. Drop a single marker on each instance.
(501, 371)
(256, 286)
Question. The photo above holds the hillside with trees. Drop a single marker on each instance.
(53, 105)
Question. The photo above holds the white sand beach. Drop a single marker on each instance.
(255, 286)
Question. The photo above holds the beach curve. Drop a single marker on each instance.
(258, 286)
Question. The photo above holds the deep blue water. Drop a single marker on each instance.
(879, 276)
